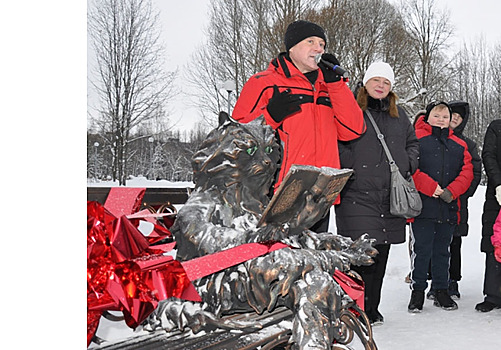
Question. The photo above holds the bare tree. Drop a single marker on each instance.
(360, 32)
(243, 36)
(430, 31)
(472, 83)
(131, 84)
(495, 73)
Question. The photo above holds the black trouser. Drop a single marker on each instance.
(492, 279)
(372, 276)
(455, 263)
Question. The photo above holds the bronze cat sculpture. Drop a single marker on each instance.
(233, 173)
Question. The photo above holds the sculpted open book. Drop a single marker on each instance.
(305, 195)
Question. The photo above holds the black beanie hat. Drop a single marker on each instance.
(433, 105)
(299, 30)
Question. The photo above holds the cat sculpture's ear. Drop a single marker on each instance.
(223, 118)
(259, 120)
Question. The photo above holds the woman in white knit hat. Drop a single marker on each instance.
(365, 200)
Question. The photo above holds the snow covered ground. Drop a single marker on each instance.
(434, 328)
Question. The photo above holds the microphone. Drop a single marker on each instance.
(337, 69)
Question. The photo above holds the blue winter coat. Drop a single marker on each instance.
(444, 160)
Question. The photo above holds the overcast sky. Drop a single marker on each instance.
(183, 23)
(473, 18)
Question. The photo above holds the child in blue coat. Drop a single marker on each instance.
(444, 173)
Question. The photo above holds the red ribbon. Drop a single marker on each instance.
(353, 287)
(209, 264)
(125, 273)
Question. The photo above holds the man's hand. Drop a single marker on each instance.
(329, 75)
(283, 104)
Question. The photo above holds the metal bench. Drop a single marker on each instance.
(275, 333)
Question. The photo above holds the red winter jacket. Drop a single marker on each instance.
(309, 137)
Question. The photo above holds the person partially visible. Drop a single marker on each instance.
(491, 157)
(460, 117)
(308, 104)
(496, 238)
(445, 172)
(365, 199)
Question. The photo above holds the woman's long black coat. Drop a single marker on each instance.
(491, 157)
(365, 200)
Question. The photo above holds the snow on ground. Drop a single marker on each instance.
(434, 328)
(140, 181)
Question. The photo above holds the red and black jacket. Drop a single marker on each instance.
(309, 137)
(444, 160)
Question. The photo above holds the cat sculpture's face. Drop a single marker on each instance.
(241, 155)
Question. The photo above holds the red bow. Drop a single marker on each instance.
(125, 273)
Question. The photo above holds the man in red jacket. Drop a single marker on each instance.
(309, 105)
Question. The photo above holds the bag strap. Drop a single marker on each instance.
(381, 138)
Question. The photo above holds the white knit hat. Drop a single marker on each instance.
(380, 69)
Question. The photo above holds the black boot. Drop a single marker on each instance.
(454, 289)
(486, 306)
(417, 301)
(443, 300)
(431, 294)
(375, 317)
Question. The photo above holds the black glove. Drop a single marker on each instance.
(282, 104)
(446, 196)
(329, 75)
